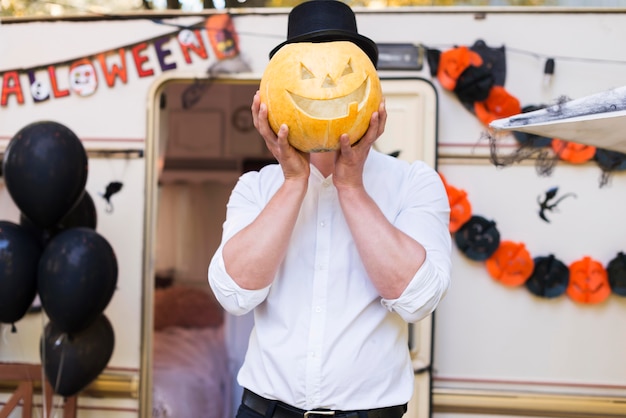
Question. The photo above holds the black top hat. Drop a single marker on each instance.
(326, 21)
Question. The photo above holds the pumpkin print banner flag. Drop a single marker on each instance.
(222, 35)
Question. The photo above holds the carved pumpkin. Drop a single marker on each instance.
(320, 91)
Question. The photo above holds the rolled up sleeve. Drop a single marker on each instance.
(425, 216)
(230, 295)
(243, 207)
(422, 295)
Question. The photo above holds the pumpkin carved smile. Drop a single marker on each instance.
(327, 109)
(320, 91)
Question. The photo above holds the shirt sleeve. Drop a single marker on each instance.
(243, 207)
(234, 299)
(425, 216)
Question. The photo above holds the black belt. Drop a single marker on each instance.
(282, 410)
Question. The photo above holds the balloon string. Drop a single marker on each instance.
(116, 171)
(5, 331)
(42, 349)
(44, 402)
(59, 341)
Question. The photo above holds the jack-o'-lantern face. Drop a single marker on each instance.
(320, 91)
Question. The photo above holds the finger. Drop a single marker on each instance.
(256, 102)
(282, 138)
(345, 146)
(264, 125)
(382, 118)
(372, 132)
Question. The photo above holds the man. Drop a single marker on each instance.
(335, 252)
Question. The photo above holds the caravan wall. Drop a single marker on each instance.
(489, 339)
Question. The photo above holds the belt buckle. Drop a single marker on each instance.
(308, 414)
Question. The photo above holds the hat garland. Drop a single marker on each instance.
(585, 281)
(476, 75)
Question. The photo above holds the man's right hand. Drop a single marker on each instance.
(295, 164)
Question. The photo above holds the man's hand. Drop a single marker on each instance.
(351, 159)
(295, 164)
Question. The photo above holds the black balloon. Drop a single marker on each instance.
(41, 235)
(19, 255)
(76, 278)
(83, 214)
(45, 168)
(72, 361)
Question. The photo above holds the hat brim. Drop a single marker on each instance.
(367, 45)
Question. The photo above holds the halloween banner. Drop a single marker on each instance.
(146, 58)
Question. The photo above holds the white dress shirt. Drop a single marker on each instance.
(323, 336)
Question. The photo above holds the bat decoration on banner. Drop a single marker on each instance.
(111, 189)
(548, 204)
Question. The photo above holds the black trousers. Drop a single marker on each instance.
(252, 403)
(245, 412)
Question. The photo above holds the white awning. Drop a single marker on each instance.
(598, 120)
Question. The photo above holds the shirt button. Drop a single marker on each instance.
(318, 309)
(322, 224)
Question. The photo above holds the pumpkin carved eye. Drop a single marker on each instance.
(305, 74)
(347, 70)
